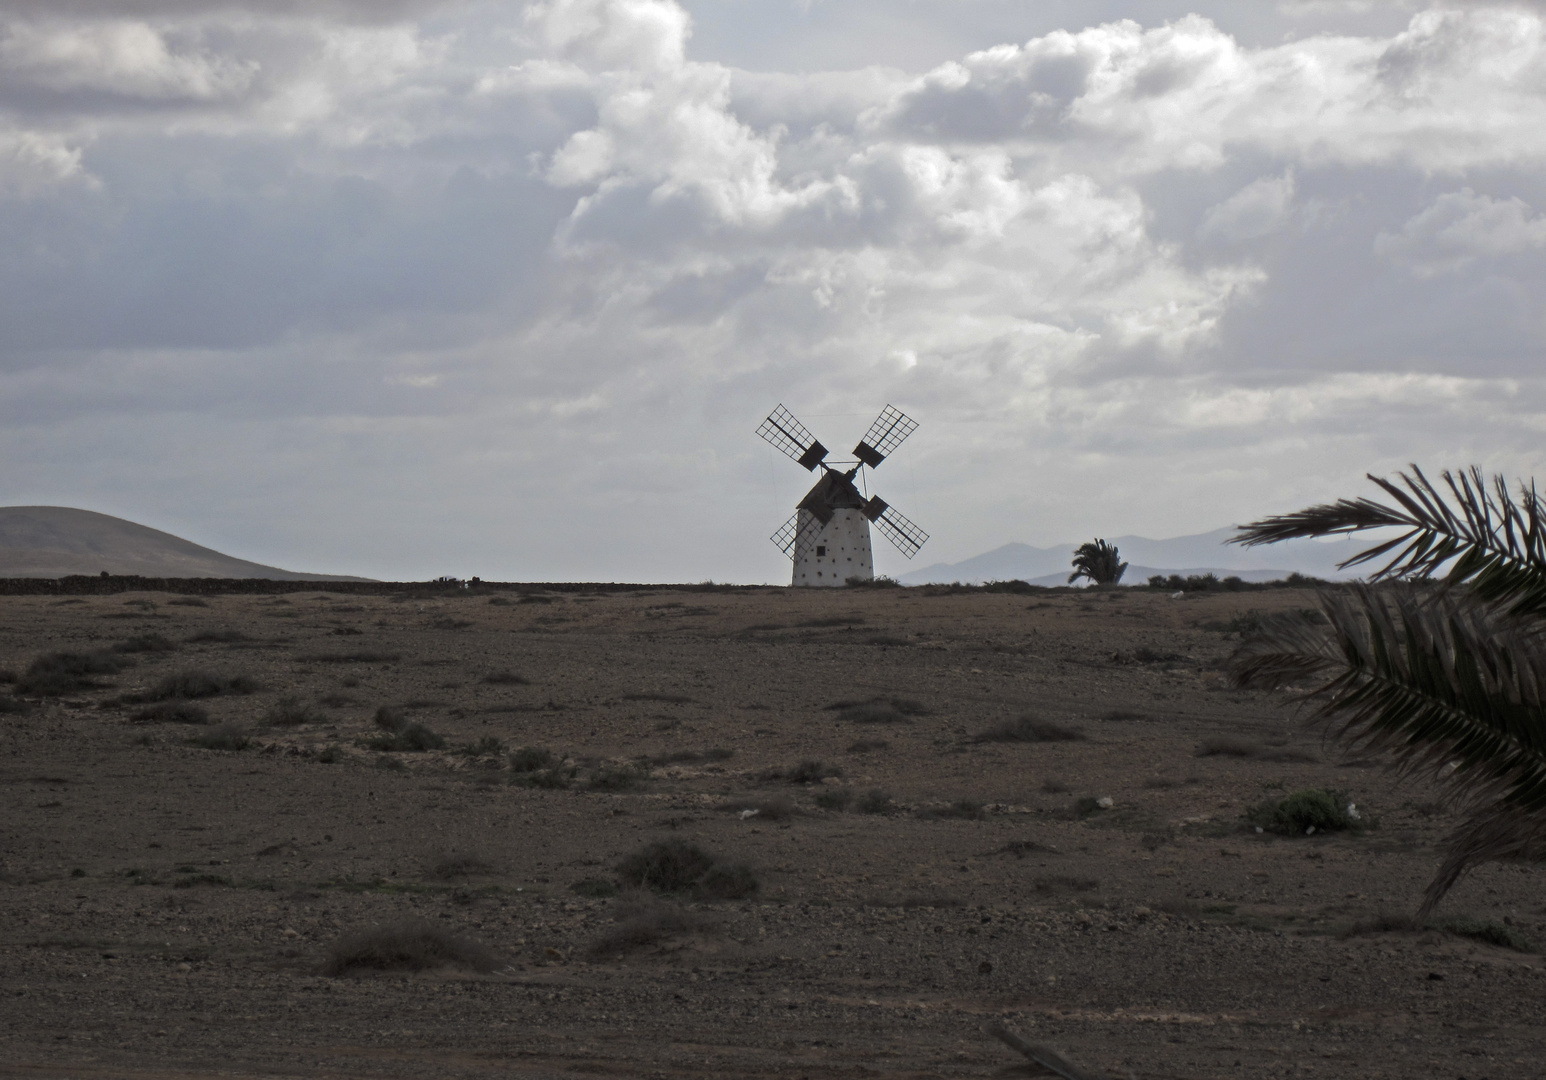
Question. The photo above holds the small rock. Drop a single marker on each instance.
(749, 813)
(1141, 913)
(185, 966)
(1105, 802)
(552, 953)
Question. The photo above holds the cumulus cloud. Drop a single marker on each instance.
(543, 269)
(1462, 227)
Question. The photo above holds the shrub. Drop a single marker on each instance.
(186, 601)
(677, 866)
(640, 925)
(619, 778)
(506, 678)
(145, 643)
(880, 582)
(290, 711)
(330, 754)
(530, 759)
(693, 757)
(460, 865)
(864, 746)
(875, 801)
(53, 674)
(961, 809)
(1029, 729)
(1236, 747)
(224, 737)
(1308, 811)
(1493, 933)
(196, 684)
(488, 746)
(834, 798)
(171, 712)
(552, 779)
(878, 710)
(809, 771)
(594, 888)
(12, 705)
(217, 637)
(412, 738)
(410, 945)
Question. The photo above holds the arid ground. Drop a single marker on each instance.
(929, 855)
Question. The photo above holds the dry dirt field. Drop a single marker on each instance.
(169, 910)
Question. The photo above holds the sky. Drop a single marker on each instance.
(405, 288)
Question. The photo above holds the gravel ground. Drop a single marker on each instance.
(167, 910)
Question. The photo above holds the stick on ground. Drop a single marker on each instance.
(1044, 1056)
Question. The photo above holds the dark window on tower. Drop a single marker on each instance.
(821, 549)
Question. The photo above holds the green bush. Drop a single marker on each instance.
(1309, 811)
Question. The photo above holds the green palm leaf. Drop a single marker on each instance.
(1443, 681)
(1486, 538)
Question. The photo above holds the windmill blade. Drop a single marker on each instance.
(884, 436)
(789, 435)
(907, 537)
(788, 533)
(791, 540)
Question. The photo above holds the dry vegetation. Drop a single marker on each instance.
(709, 832)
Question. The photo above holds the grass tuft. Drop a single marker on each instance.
(640, 924)
(185, 685)
(290, 711)
(531, 758)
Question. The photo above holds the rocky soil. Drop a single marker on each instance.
(913, 776)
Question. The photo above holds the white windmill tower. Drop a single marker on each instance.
(829, 535)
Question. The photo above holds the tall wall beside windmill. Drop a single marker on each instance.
(828, 538)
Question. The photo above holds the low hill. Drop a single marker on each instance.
(57, 541)
(1198, 554)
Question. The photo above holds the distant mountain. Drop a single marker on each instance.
(56, 541)
(1200, 554)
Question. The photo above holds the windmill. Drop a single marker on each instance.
(829, 535)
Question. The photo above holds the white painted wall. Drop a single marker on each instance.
(838, 551)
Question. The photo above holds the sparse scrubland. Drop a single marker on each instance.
(709, 831)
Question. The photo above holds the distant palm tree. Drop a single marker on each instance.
(1441, 661)
(1099, 562)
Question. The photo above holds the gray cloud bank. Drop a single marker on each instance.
(473, 288)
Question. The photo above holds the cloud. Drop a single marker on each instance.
(539, 271)
(1459, 229)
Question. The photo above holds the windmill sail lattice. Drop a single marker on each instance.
(828, 538)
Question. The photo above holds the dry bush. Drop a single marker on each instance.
(1029, 729)
(640, 924)
(363, 656)
(837, 798)
(401, 735)
(692, 757)
(1021, 848)
(218, 637)
(678, 866)
(1236, 747)
(878, 710)
(961, 810)
(911, 901)
(864, 746)
(1065, 883)
(224, 737)
(56, 673)
(809, 771)
(1055, 787)
(531, 758)
(185, 685)
(506, 678)
(171, 712)
(290, 711)
(409, 945)
(1382, 923)
(616, 777)
(488, 746)
(145, 643)
(875, 801)
(460, 864)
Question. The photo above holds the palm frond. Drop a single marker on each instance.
(1486, 537)
(1438, 678)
